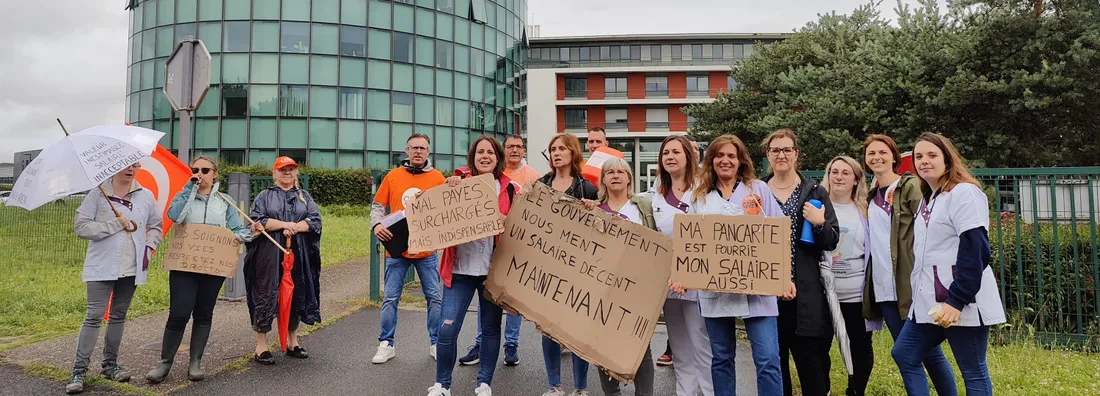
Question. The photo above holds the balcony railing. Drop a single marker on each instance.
(576, 93)
(616, 125)
(533, 63)
(639, 93)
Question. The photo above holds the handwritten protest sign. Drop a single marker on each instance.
(446, 216)
(202, 248)
(589, 280)
(733, 254)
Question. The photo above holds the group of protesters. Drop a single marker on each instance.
(897, 260)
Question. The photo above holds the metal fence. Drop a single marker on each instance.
(1045, 252)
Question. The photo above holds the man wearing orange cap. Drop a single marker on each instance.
(399, 187)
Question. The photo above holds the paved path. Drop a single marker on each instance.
(340, 354)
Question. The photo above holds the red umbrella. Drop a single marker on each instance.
(286, 293)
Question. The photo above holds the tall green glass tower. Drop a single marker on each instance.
(335, 83)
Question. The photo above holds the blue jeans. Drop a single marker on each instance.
(551, 356)
(968, 343)
(456, 301)
(511, 329)
(763, 337)
(939, 369)
(396, 268)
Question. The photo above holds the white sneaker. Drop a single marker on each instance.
(438, 390)
(431, 352)
(384, 354)
(483, 390)
(579, 392)
(554, 392)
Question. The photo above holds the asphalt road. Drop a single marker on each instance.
(340, 364)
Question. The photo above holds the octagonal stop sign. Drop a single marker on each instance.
(187, 75)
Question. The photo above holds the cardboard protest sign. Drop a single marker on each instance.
(592, 281)
(202, 248)
(732, 254)
(446, 216)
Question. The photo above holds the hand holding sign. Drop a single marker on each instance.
(447, 215)
(733, 254)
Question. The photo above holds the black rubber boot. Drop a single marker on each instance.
(199, 336)
(168, 347)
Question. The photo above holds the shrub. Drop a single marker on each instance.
(5, 187)
(327, 186)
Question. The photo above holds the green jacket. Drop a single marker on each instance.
(907, 197)
(645, 208)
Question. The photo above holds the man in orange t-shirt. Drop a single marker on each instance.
(515, 165)
(399, 187)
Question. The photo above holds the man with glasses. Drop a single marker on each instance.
(516, 168)
(399, 187)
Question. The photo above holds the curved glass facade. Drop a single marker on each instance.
(335, 83)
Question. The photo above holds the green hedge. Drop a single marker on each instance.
(1068, 286)
(5, 187)
(327, 186)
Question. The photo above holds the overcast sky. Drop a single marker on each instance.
(68, 60)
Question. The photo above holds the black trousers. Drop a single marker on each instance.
(863, 353)
(811, 354)
(192, 295)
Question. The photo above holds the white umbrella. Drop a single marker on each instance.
(829, 281)
(80, 162)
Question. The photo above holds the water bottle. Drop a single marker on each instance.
(807, 228)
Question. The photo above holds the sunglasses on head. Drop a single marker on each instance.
(204, 170)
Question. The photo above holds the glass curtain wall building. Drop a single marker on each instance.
(335, 83)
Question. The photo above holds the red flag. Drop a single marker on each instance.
(164, 175)
(906, 163)
(286, 294)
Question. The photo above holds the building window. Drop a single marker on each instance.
(477, 11)
(716, 52)
(232, 157)
(605, 53)
(697, 51)
(616, 53)
(615, 119)
(236, 38)
(586, 54)
(444, 54)
(635, 52)
(576, 118)
(402, 47)
(294, 101)
(615, 87)
(698, 86)
(655, 52)
(656, 86)
(677, 52)
(295, 37)
(402, 107)
(352, 103)
(656, 118)
(576, 87)
(353, 41)
(234, 100)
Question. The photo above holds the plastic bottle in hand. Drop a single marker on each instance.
(807, 228)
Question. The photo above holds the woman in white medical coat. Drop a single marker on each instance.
(954, 293)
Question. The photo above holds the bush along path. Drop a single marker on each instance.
(343, 291)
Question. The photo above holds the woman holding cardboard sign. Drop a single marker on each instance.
(728, 186)
(616, 193)
(566, 161)
(463, 270)
(955, 294)
(192, 293)
(288, 212)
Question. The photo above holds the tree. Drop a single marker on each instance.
(1011, 88)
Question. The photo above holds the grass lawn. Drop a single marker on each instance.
(1015, 369)
(42, 296)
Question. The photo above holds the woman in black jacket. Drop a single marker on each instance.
(805, 323)
(565, 176)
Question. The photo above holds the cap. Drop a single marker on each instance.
(283, 162)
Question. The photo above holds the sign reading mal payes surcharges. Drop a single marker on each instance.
(445, 216)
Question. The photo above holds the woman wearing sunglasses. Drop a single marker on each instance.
(193, 294)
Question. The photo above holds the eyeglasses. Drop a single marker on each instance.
(416, 148)
(514, 146)
(203, 170)
(784, 150)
